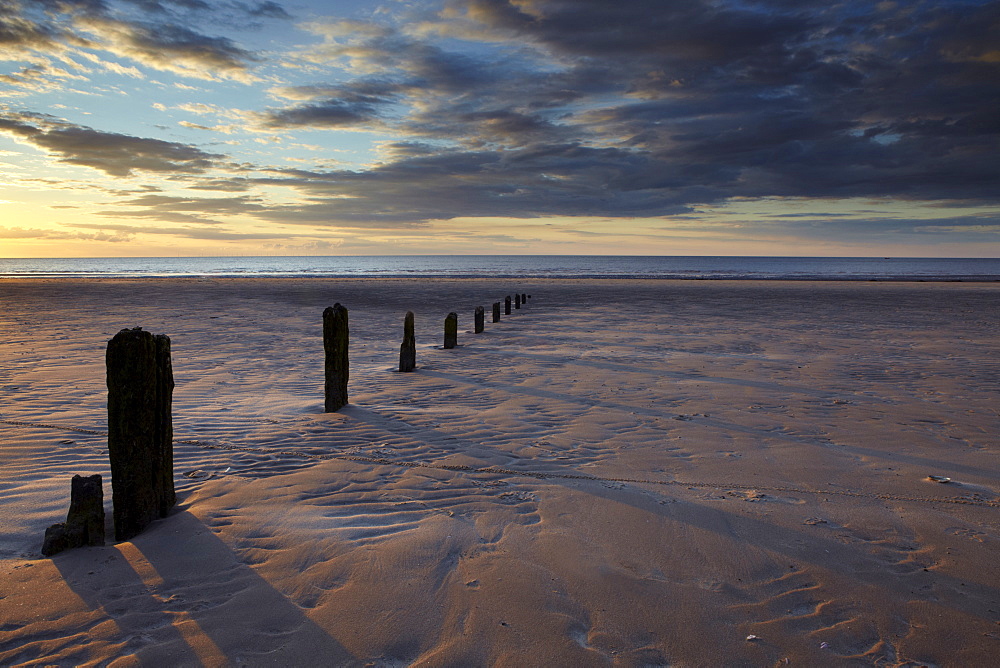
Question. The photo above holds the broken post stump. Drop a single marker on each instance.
(506, 305)
(451, 330)
(480, 319)
(496, 311)
(335, 344)
(517, 300)
(408, 349)
(140, 429)
(84, 523)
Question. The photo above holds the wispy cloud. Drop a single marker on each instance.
(113, 153)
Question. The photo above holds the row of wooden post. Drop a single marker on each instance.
(336, 337)
(140, 424)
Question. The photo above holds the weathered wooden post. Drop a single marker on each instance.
(85, 521)
(140, 429)
(496, 311)
(335, 344)
(524, 298)
(408, 349)
(451, 330)
(480, 319)
(517, 300)
(506, 305)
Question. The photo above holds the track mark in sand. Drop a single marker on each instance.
(974, 500)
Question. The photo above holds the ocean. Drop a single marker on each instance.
(517, 266)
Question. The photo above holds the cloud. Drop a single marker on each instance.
(113, 153)
(547, 180)
(360, 103)
(125, 232)
(166, 35)
(20, 34)
(538, 108)
(48, 235)
(171, 48)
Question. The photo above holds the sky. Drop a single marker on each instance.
(622, 127)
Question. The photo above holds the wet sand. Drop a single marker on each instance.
(629, 473)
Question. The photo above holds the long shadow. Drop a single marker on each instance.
(179, 595)
(801, 546)
(680, 375)
(797, 545)
(937, 465)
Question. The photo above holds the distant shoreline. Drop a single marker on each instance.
(517, 267)
(513, 277)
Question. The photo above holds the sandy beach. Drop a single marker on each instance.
(626, 473)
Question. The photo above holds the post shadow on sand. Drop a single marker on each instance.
(240, 619)
(715, 423)
(800, 545)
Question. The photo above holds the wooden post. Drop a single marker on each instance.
(517, 300)
(408, 350)
(524, 298)
(506, 305)
(335, 344)
(451, 330)
(85, 521)
(480, 319)
(140, 429)
(496, 311)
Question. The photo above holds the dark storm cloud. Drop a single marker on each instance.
(807, 98)
(547, 180)
(113, 153)
(534, 108)
(589, 107)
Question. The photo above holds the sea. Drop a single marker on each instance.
(517, 266)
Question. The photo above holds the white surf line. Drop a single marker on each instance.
(540, 475)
